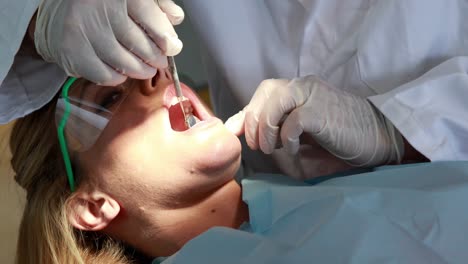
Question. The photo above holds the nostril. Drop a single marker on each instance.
(154, 80)
(164, 78)
(160, 80)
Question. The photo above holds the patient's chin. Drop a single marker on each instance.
(221, 156)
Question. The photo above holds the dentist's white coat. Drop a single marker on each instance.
(26, 81)
(409, 57)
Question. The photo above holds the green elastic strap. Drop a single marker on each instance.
(61, 135)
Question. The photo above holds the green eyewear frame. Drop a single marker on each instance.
(61, 133)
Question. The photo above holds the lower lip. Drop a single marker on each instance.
(204, 124)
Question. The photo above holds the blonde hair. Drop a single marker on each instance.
(46, 235)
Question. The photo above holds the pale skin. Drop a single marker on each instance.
(153, 187)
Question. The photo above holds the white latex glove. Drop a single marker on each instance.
(346, 125)
(106, 41)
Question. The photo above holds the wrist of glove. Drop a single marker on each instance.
(348, 126)
(107, 41)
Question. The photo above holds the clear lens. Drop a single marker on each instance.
(91, 106)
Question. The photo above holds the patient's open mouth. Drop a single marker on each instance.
(182, 115)
(191, 104)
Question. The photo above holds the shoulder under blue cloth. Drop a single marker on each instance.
(397, 214)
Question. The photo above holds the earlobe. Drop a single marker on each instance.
(92, 211)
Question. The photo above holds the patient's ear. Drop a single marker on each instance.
(92, 211)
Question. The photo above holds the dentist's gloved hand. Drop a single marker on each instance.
(346, 125)
(106, 41)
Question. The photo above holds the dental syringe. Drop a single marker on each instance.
(188, 117)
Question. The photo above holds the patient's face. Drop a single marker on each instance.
(162, 176)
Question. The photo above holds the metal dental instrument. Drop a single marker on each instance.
(189, 118)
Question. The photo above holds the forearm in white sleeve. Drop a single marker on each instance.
(14, 22)
(29, 85)
(22, 86)
(431, 112)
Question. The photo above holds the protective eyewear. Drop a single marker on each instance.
(82, 112)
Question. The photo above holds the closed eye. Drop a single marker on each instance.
(111, 98)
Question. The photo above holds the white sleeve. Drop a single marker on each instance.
(14, 21)
(22, 86)
(431, 112)
(29, 85)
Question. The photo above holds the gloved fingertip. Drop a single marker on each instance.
(146, 72)
(291, 145)
(160, 62)
(235, 124)
(267, 149)
(268, 138)
(173, 45)
(176, 15)
(176, 20)
(252, 144)
(174, 12)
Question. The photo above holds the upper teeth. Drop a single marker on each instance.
(188, 109)
(175, 100)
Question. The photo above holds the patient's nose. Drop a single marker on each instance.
(160, 81)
